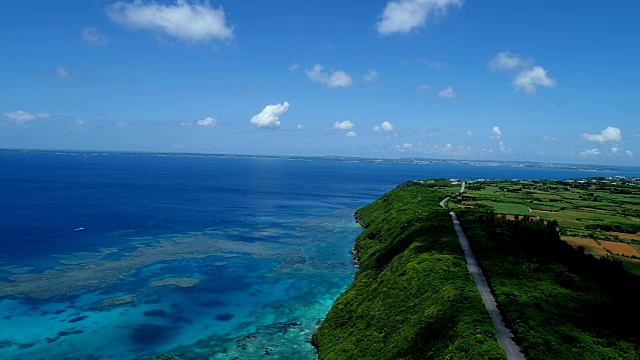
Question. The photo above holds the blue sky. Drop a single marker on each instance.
(546, 80)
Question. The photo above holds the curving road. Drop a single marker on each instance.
(504, 335)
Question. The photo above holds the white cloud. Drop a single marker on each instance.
(550, 139)
(344, 125)
(20, 117)
(528, 80)
(385, 126)
(351, 134)
(335, 79)
(371, 77)
(436, 65)
(508, 61)
(495, 133)
(62, 72)
(470, 133)
(615, 150)
(629, 153)
(207, 122)
(592, 152)
(270, 116)
(299, 127)
(294, 67)
(608, 135)
(447, 93)
(403, 16)
(185, 123)
(93, 37)
(503, 148)
(424, 87)
(183, 20)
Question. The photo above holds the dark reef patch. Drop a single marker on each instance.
(159, 313)
(78, 319)
(225, 317)
(149, 334)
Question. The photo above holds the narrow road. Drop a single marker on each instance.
(504, 335)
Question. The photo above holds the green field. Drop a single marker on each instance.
(586, 208)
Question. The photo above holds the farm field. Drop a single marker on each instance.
(591, 246)
(600, 215)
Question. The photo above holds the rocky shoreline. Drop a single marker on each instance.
(353, 251)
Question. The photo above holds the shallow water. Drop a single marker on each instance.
(259, 246)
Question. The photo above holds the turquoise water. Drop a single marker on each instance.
(205, 257)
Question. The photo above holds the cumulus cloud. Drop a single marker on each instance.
(270, 116)
(294, 68)
(615, 150)
(335, 79)
(20, 117)
(195, 22)
(508, 61)
(550, 139)
(299, 127)
(62, 72)
(371, 77)
(207, 122)
(385, 126)
(495, 133)
(351, 134)
(629, 153)
(608, 135)
(591, 152)
(424, 88)
(470, 133)
(344, 125)
(529, 80)
(92, 37)
(403, 16)
(528, 77)
(447, 93)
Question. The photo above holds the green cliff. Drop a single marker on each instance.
(412, 297)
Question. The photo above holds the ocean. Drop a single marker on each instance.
(125, 257)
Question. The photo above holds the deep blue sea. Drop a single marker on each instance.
(122, 257)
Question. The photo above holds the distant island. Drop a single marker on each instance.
(416, 161)
(560, 257)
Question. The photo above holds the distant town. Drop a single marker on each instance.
(416, 161)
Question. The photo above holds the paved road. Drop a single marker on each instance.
(505, 338)
(504, 335)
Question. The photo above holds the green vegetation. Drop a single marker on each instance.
(559, 302)
(413, 297)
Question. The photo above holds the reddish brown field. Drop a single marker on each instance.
(625, 236)
(590, 245)
(513, 217)
(620, 248)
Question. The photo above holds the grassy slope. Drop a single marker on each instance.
(413, 297)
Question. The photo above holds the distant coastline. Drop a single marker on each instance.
(413, 161)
